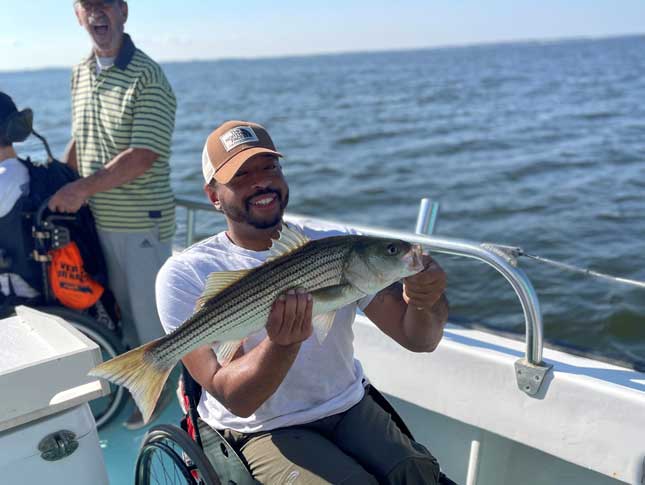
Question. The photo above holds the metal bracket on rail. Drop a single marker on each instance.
(509, 253)
(530, 376)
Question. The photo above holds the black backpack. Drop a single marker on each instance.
(44, 181)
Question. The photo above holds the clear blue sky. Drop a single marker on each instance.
(45, 32)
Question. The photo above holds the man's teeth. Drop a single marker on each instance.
(264, 201)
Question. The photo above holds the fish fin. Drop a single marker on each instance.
(216, 282)
(289, 240)
(322, 325)
(140, 372)
(226, 351)
(326, 301)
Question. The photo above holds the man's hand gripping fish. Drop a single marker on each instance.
(336, 271)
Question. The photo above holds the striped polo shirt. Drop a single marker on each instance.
(129, 105)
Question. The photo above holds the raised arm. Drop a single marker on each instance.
(413, 313)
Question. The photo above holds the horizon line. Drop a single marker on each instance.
(491, 43)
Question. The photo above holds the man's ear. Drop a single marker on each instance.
(211, 193)
(78, 17)
(124, 11)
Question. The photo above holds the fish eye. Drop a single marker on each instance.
(392, 249)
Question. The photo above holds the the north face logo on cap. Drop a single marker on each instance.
(237, 136)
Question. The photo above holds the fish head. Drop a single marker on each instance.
(375, 263)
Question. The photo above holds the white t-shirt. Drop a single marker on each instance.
(324, 379)
(103, 63)
(14, 183)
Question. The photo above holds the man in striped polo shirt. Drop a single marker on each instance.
(123, 116)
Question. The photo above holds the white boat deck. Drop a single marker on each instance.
(44, 361)
(588, 414)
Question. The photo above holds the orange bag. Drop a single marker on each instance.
(70, 283)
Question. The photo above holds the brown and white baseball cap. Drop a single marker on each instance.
(232, 144)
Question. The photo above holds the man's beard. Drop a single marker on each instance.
(244, 215)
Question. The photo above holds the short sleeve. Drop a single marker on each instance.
(176, 294)
(154, 118)
(72, 84)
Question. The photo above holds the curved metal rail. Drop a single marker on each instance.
(529, 371)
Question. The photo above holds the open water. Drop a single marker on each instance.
(539, 145)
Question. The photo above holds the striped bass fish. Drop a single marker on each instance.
(336, 270)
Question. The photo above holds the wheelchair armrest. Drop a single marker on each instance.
(230, 466)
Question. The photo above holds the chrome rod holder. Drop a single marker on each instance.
(427, 217)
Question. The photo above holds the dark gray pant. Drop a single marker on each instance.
(359, 446)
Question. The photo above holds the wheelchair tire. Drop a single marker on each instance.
(107, 407)
(169, 456)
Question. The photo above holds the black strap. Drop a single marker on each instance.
(381, 401)
(194, 392)
(26, 162)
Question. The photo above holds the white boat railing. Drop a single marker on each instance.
(531, 370)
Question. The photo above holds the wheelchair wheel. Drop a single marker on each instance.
(107, 407)
(169, 456)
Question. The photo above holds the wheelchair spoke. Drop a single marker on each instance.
(169, 456)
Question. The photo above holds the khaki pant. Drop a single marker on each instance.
(133, 260)
(359, 446)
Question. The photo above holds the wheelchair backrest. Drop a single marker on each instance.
(18, 227)
(17, 244)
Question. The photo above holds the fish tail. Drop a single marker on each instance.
(141, 372)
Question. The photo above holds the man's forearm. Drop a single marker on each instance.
(417, 328)
(248, 381)
(423, 327)
(125, 167)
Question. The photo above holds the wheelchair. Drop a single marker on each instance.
(196, 454)
(26, 238)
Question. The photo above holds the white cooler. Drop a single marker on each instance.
(47, 432)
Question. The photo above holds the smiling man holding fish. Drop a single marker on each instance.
(262, 315)
(282, 378)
